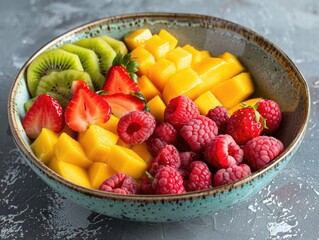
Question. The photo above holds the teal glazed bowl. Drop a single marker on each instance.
(275, 76)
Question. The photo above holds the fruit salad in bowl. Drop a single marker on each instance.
(136, 116)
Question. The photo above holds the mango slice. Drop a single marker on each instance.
(180, 57)
(42, 146)
(98, 172)
(206, 101)
(97, 142)
(144, 59)
(234, 65)
(111, 124)
(137, 38)
(142, 150)
(157, 46)
(172, 41)
(160, 72)
(157, 108)
(197, 55)
(147, 88)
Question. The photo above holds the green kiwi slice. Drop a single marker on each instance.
(117, 45)
(89, 61)
(103, 50)
(58, 84)
(47, 62)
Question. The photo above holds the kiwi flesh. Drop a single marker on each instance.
(103, 50)
(118, 46)
(58, 84)
(90, 63)
(50, 61)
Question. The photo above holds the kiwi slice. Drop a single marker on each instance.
(103, 50)
(29, 103)
(58, 84)
(117, 45)
(89, 61)
(47, 62)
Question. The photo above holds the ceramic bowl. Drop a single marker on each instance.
(275, 77)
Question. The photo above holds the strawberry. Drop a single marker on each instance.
(122, 104)
(85, 108)
(121, 76)
(245, 124)
(45, 112)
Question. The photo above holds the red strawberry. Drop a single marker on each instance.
(85, 108)
(122, 104)
(245, 124)
(45, 112)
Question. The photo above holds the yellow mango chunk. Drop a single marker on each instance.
(197, 55)
(172, 41)
(42, 146)
(180, 57)
(126, 161)
(185, 82)
(157, 46)
(111, 124)
(142, 150)
(234, 65)
(234, 90)
(157, 108)
(97, 142)
(206, 101)
(160, 72)
(70, 172)
(69, 150)
(144, 59)
(98, 172)
(121, 143)
(147, 88)
(137, 38)
(250, 102)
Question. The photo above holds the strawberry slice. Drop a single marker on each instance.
(45, 112)
(122, 104)
(85, 108)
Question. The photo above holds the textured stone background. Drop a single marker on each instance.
(285, 209)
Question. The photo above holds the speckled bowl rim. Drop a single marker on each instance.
(207, 21)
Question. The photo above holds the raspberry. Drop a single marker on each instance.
(198, 132)
(136, 127)
(167, 156)
(168, 181)
(179, 111)
(146, 186)
(120, 183)
(199, 177)
(220, 116)
(270, 110)
(228, 175)
(187, 158)
(166, 132)
(261, 150)
(223, 152)
(154, 145)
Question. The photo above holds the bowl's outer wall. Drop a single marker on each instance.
(274, 78)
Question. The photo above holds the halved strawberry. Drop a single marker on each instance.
(85, 108)
(45, 112)
(77, 84)
(122, 104)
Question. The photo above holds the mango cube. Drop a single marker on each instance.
(250, 102)
(234, 90)
(197, 55)
(42, 146)
(69, 150)
(157, 46)
(172, 41)
(110, 125)
(70, 172)
(147, 88)
(97, 142)
(185, 82)
(157, 108)
(144, 59)
(121, 143)
(142, 150)
(98, 172)
(206, 101)
(126, 161)
(160, 72)
(137, 38)
(234, 65)
(180, 57)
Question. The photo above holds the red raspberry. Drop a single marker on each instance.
(168, 181)
(166, 132)
(146, 186)
(198, 132)
(136, 127)
(228, 175)
(179, 111)
(220, 116)
(223, 152)
(187, 158)
(270, 110)
(261, 150)
(244, 125)
(199, 176)
(120, 183)
(167, 156)
(155, 144)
